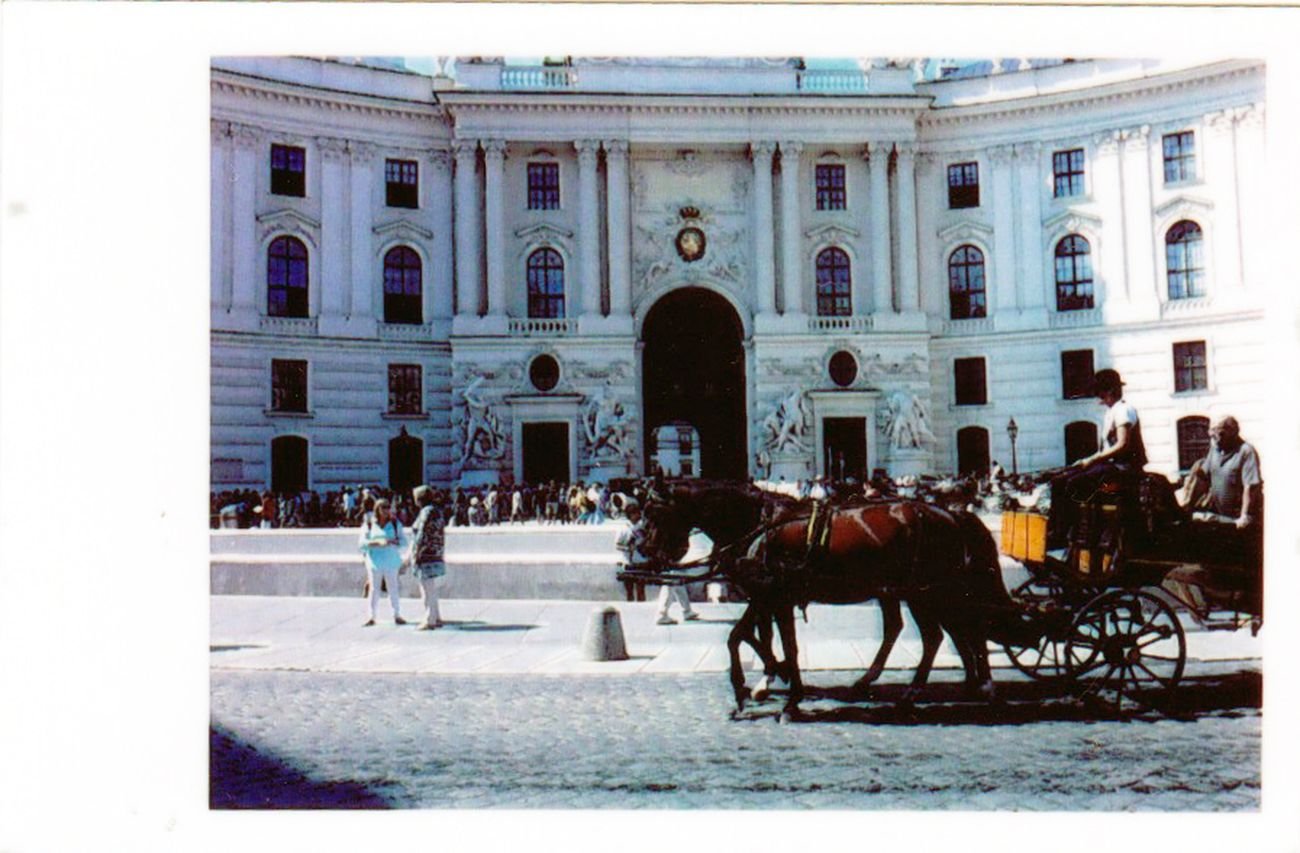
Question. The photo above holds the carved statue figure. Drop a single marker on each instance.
(907, 421)
(606, 424)
(785, 427)
(484, 438)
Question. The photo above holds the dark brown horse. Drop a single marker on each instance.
(944, 564)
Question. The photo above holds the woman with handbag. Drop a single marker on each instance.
(426, 553)
(381, 545)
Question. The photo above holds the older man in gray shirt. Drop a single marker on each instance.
(1227, 481)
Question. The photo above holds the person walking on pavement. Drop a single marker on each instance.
(427, 553)
(381, 545)
(700, 547)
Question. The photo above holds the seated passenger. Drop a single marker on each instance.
(1226, 485)
(1122, 452)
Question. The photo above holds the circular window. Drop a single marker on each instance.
(544, 373)
(843, 368)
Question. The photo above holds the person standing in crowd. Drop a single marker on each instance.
(595, 497)
(1122, 452)
(381, 545)
(268, 508)
(630, 542)
(427, 553)
(517, 506)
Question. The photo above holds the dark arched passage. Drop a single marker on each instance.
(693, 370)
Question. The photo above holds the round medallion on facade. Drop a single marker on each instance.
(544, 373)
(690, 244)
(843, 368)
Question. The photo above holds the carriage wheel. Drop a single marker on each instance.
(1044, 661)
(1126, 649)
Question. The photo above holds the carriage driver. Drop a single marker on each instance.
(1122, 452)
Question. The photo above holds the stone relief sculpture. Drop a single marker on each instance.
(483, 437)
(785, 428)
(607, 424)
(907, 423)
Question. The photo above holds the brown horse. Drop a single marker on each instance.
(944, 564)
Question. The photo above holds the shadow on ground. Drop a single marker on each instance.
(242, 777)
(1017, 703)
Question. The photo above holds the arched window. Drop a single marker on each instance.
(1073, 274)
(972, 450)
(1080, 440)
(402, 286)
(546, 285)
(1193, 440)
(966, 284)
(1184, 260)
(286, 278)
(834, 283)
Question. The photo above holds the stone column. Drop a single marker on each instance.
(1030, 257)
(1004, 230)
(467, 227)
(334, 270)
(764, 238)
(364, 277)
(1138, 223)
(881, 261)
(1109, 265)
(249, 144)
(1221, 176)
(620, 228)
(909, 285)
(437, 192)
(588, 278)
(221, 180)
(494, 157)
(791, 231)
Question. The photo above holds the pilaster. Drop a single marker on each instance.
(588, 278)
(1004, 233)
(620, 229)
(437, 191)
(761, 154)
(792, 266)
(882, 273)
(249, 142)
(334, 270)
(905, 227)
(494, 156)
(466, 205)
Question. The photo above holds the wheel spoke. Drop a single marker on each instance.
(1164, 681)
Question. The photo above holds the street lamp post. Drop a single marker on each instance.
(1012, 432)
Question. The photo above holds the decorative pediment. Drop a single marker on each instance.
(543, 231)
(966, 231)
(832, 232)
(401, 229)
(1184, 205)
(289, 221)
(1070, 221)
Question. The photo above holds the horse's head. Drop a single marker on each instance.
(668, 531)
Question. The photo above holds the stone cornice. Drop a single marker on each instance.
(402, 229)
(492, 102)
(297, 94)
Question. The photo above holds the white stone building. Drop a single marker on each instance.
(519, 272)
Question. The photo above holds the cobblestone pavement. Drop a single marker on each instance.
(294, 739)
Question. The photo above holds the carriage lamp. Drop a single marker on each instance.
(1012, 432)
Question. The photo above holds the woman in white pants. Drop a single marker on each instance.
(381, 544)
(700, 547)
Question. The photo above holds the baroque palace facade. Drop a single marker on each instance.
(581, 270)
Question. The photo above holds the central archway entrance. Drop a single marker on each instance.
(693, 372)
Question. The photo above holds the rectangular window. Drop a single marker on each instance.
(1189, 366)
(1076, 374)
(1067, 173)
(830, 188)
(963, 185)
(1180, 156)
(543, 186)
(403, 180)
(288, 170)
(972, 388)
(288, 385)
(404, 395)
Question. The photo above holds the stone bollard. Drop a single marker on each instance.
(603, 639)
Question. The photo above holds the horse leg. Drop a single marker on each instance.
(772, 668)
(971, 644)
(931, 639)
(892, 614)
(785, 624)
(742, 631)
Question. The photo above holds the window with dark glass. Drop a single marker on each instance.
(966, 296)
(1080, 441)
(286, 278)
(1067, 173)
(972, 450)
(1190, 373)
(543, 186)
(1193, 440)
(1180, 156)
(1184, 260)
(545, 285)
(288, 385)
(402, 286)
(1076, 374)
(970, 382)
(830, 187)
(288, 170)
(1073, 274)
(963, 185)
(402, 178)
(843, 368)
(404, 395)
(834, 283)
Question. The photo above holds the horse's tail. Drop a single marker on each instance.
(1006, 620)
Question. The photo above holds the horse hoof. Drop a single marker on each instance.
(785, 719)
(735, 714)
